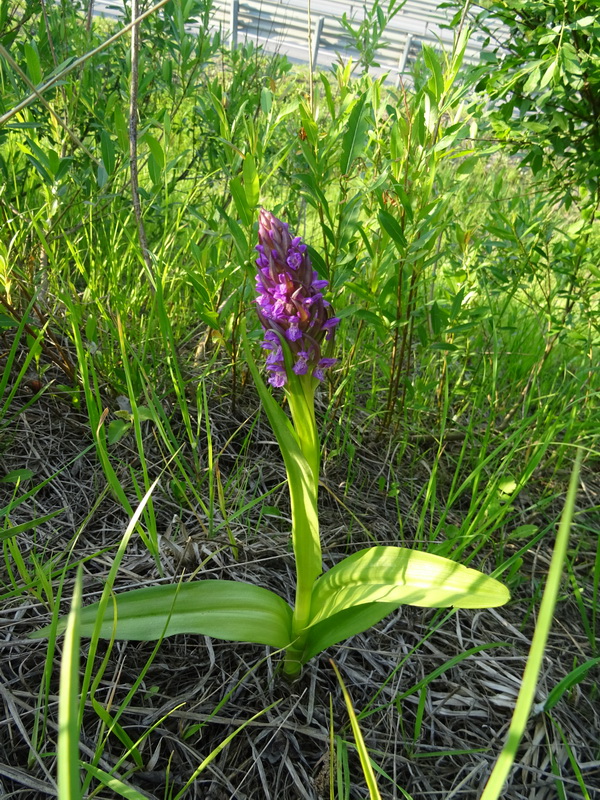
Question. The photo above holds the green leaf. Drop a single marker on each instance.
(266, 99)
(251, 181)
(108, 153)
(392, 227)
(114, 784)
(8, 533)
(116, 430)
(436, 84)
(121, 128)
(241, 203)
(399, 575)
(532, 81)
(549, 73)
(16, 475)
(114, 728)
(355, 138)
(239, 239)
(343, 625)
(574, 677)
(230, 610)
(361, 748)
(33, 63)
(520, 719)
(69, 785)
(156, 159)
(307, 546)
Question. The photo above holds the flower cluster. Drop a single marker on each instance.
(290, 302)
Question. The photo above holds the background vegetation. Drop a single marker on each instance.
(455, 218)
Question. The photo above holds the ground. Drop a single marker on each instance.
(434, 690)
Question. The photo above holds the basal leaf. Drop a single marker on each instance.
(398, 575)
(343, 625)
(230, 610)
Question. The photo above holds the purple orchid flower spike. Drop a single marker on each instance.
(290, 302)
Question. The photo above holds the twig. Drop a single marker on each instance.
(78, 61)
(133, 109)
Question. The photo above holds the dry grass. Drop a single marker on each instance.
(285, 753)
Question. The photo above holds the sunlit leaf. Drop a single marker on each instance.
(399, 575)
(230, 610)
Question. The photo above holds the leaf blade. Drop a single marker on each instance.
(399, 575)
(229, 610)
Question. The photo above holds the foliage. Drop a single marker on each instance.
(367, 35)
(544, 82)
(468, 348)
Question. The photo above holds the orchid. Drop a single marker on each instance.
(361, 589)
(290, 303)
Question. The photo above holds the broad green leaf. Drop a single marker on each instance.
(355, 138)
(231, 610)
(17, 475)
(399, 575)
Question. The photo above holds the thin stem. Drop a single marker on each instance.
(133, 137)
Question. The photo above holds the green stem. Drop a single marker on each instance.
(305, 530)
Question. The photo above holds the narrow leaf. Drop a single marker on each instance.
(114, 784)
(392, 227)
(307, 547)
(494, 787)
(69, 785)
(363, 753)
(251, 180)
(574, 677)
(355, 138)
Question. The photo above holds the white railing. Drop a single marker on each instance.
(282, 26)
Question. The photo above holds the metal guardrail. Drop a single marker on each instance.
(281, 26)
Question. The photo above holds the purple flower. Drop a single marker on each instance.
(290, 302)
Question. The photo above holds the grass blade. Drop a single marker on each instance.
(495, 784)
(361, 748)
(69, 785)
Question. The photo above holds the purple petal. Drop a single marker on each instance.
(327, 362)
(278, 379)
(293, 333)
